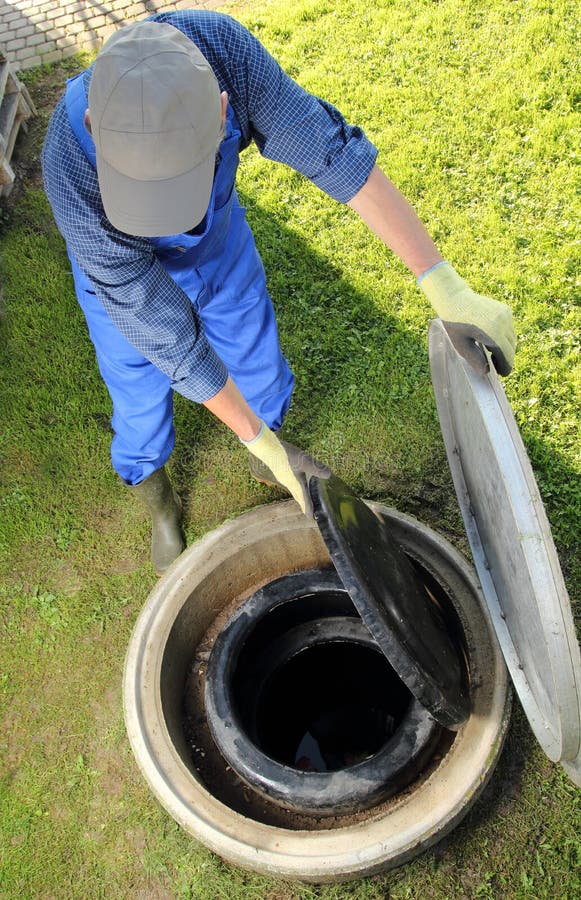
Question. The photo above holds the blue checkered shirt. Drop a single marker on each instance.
(287, 124)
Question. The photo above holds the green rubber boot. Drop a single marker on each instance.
(165, 508)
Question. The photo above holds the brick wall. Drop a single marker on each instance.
(44, 31)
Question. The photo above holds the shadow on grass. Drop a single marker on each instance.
(360, 377)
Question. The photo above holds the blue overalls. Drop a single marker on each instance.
(222, 274)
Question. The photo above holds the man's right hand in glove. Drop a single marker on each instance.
(289, 465)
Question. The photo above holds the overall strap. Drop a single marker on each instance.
(76, 103)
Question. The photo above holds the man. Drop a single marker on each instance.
(139, 165)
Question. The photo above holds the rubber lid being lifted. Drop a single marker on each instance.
(400, 612)
(512, 547)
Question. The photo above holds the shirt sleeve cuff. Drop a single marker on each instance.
(208, 376)
(349, 169)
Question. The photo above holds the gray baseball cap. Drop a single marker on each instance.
(156, 121)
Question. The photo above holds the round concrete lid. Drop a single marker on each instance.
(512, 547)
(400, 612)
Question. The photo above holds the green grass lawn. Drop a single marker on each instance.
(474, 109)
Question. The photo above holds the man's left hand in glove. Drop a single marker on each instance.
(469, 318)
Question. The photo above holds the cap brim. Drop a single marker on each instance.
(156, 208)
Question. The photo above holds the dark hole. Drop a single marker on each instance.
(330, 706)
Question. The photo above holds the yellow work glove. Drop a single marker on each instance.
(289, 465)
(470, 318)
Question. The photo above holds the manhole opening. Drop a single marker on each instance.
(327, 707)
(279, 734)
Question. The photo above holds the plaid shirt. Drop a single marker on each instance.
(288, 125)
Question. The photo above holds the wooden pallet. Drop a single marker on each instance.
(16, 108)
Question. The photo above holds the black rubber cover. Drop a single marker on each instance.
(403, 617)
